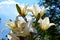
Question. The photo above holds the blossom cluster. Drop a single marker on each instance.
(23, 28)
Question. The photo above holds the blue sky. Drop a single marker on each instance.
(8, 11)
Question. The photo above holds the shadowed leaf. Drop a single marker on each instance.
(18, 8)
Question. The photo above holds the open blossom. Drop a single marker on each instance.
(45, 23)
(22, 9)
(36, 10)
(20, 30)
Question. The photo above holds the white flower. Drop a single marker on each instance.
(22, 10)
(45, 23)
(18, 28)
(36, 10)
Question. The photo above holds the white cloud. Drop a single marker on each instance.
(8, 2)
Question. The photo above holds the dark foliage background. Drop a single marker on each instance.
(53, 33)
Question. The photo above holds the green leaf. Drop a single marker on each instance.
(18, 8)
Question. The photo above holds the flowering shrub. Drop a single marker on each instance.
(28, 29)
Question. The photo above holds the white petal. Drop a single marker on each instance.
(42, 11)
(51, 24)
(36, 8)
(33, 30)
(46, 20)
(9, 37)
(40, 20)
(10, 25)
(29, 9)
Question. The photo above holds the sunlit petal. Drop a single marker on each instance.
(51, 24)
(46, 20)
